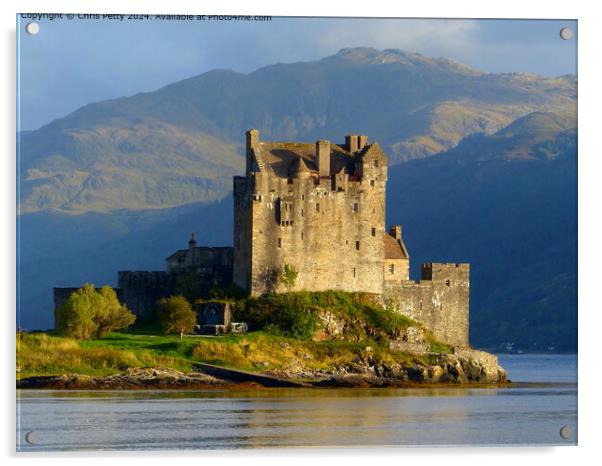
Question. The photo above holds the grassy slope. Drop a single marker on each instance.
(46, 354)
(286, 347)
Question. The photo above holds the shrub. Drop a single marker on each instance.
(92, 313)
(288, 276)
(175, 315)
(290, 314)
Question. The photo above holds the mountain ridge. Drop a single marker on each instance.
(414, 105)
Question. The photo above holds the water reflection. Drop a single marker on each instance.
(527, 413)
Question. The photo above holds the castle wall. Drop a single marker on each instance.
(439, 301)
(241, 263)
(140, 291)
(328, 225)
(396, 270)
(201, 260)
(332, 237)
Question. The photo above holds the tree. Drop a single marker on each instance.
(288, 276)
(111, 314)
(92, 313)
(175, 315)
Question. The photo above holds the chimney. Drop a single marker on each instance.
(395, 232)
(351, 142)
(362, 142)
(252, 138)
(192, 242)
(323, 157)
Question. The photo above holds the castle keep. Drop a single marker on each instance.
(319, 208)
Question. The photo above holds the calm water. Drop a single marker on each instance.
(528, 413)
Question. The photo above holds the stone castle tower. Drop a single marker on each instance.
(321, 209)
(318, 207)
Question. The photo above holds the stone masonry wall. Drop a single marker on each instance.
(140, 291)
(329, 228)
(439, 301)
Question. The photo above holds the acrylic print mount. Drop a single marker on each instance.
(253, 231)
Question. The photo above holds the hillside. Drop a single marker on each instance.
(506, 203)
(182, 143)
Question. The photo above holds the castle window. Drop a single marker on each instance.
(302, 235)
(317, 207)
(353, 272)
(373, 231)
(356, 207)
(301, 212)
(289, 181)
(376, 163)
(447, 282)
(279, 242)
(420, 305)
(392, 268)
(357, 245)
(291, 223)
(371, 182)
(302, 197)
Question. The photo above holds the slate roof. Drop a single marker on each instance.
(395, 249)
(282, 158)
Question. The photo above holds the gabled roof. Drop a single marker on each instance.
(395, 249)
(181, 253)
(284, 158)
(373, 150)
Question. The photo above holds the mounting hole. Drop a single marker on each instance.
(565, 432)
(566, 33)
(32, 28)
(31, 438)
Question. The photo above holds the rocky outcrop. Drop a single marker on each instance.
(132, 379)
(464, 366)
(412, 340)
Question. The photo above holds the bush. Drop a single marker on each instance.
(297, 314)
(290, 314)
(92, 313)
(175, 315)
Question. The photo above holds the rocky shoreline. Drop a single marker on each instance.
(463, 366)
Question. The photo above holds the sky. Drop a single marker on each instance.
(72, 62)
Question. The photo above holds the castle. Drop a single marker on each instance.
(319, 208)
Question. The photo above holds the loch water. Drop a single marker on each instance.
(530, 411)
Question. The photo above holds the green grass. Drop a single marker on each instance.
(286, 334)
(45, 354)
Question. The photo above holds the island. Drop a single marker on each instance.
(314, 292)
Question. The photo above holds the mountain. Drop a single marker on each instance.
(182, 143)
(506, 203)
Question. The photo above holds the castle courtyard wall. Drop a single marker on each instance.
(439, 301)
